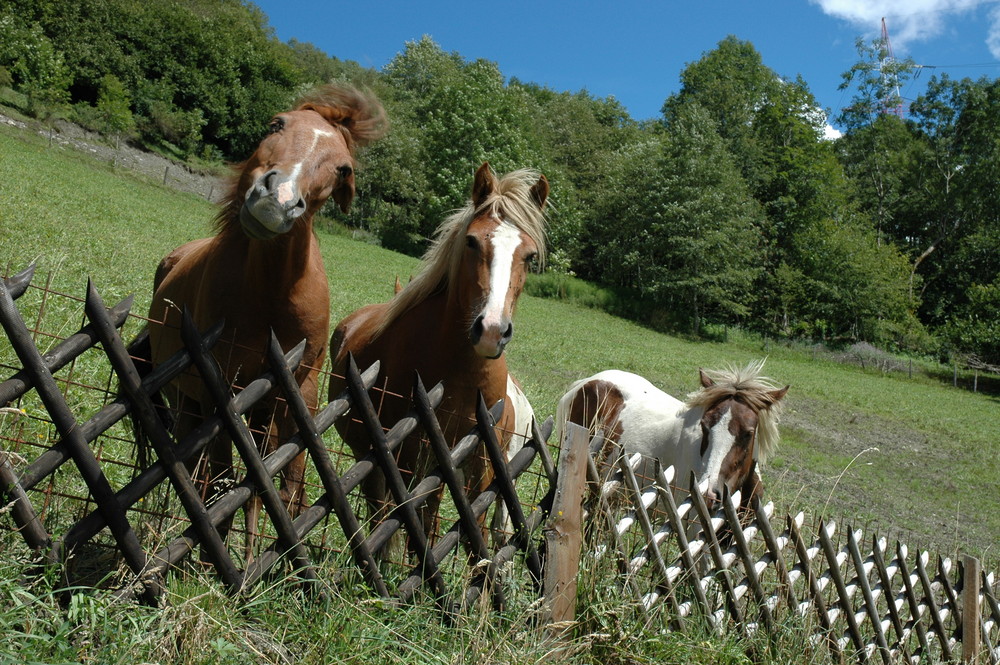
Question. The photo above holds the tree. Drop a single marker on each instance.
(681, 227)
(774, 131)
(113, 107)
(466, 115)
(36, 66)
(875, 130)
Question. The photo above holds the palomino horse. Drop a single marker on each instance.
(451, 323)
(720, 433)
(262, 271)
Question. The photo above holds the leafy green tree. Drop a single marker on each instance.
(36, 66)
(114, 108)
(198, 71)
(774, 130)
(974, 330)
(843, 284)
(466, 115)
(876, 134)
(578, 136)
(681, 227)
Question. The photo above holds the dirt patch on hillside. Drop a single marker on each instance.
(156, 167)
(865, 472)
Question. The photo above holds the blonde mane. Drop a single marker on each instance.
(512, 201)
(747, 385)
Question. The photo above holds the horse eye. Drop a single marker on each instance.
(472, 243)
(276, 126)
(530, 259)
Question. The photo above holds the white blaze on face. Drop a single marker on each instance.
(286, 190)
(720, 442)
(504, 241)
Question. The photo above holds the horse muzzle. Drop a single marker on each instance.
(271, 207)
(490, 341)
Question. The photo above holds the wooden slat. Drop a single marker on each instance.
(843, 595)
(709, 538)
(937, 627)
(743, 550)
(665, 477)
(563, 535)
(641, 503)
(862, 568)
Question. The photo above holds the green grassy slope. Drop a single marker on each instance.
(932, 479)
(926, 454)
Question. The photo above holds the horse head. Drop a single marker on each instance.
(501, 243)
(306, 157)
(738, 429)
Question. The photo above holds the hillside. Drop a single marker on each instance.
(916, 457)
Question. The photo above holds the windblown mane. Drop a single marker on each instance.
(512, 201)
(358, 114)
(748, 386)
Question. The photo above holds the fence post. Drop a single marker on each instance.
(563, 535)
(971, 637)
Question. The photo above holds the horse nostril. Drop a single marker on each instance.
(507, 334)
(477, 330)
(267, 182)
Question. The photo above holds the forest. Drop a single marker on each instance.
(729, 209)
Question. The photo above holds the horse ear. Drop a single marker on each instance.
(343, 194)
(706, 381)
(483, 184)
(540, 191)
(775, 396)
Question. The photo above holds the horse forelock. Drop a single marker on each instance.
(511, 201)
(747, 386)
(358, 112)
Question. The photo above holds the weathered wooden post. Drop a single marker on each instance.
(563, 535)
(971, 636)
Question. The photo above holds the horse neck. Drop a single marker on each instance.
(450, 343)
(275, 263)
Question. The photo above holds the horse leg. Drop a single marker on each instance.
(373, 485)
(293, 493)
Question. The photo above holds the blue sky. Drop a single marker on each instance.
(635, 50)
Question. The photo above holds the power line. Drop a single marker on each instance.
(977, 64)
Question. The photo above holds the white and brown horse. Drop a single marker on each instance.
(262, 271)
(451, 323)
(720, 432)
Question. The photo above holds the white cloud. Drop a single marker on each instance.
(993, 34)
(908, 20)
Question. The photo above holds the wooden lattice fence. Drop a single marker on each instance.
(114, 492)
(749, 572)
(672, 553)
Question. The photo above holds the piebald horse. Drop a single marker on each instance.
(721, 432)
(263, 271)
(451, 323)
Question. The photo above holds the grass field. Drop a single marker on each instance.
(916, 458)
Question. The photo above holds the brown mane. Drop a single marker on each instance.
(748, 386)
(358, 115)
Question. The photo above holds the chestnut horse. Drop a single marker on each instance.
(720, 433)
(262, 271)
(451, 323)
